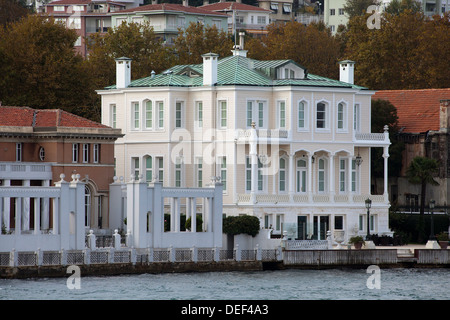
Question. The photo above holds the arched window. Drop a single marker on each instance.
(148, 169)
(321, 116)
(282, 175)
(321, 176)
(301, 175)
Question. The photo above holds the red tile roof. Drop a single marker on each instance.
(28, 117)
(170, 7)
(228, 6)
(417, 110)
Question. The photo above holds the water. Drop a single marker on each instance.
(293, 284)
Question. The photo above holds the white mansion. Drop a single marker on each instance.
(291, 148)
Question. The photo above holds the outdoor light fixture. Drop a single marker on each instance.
(358, 159)
(368, 205)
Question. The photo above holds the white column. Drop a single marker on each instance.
(291, 174)
(194, 215)
(26, 209)
(18, 217)
(386, 157)
(253, 162)
(45, 213)
(6, 207)
(309, 186)
(37, 215)
(349, 175)
(331, 176)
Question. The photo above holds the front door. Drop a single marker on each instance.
(321, 226)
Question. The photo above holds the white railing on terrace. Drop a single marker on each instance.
(246, 198)
(370, 136)
(264, 133)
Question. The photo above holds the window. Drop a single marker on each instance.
(256, 111)
(261, 20)
(58, 8)
(135, 167)
(75, 152)
(321, 116)
(41, 154)
(248, 176)
(77, 42)
(341, 11)
(199, 172)
(85, 152)
(135, 115)
(19, 151)
(332, 12)
(148, 115)
(178, 115)
(301, 176)
(113, 119)
(223, 114)
(74, 23)
(181, 22)
(341, 116)
(355, 176)
(282, 175)
(223, 172)
(160, 106)
(148, 169)
(217, 24)
(61, 20)
(286, 8)
(282, 114)
(338, 222)
(96, 153)
(160, 162)
(178, 172)
(199, 114)
(274, 7)
(78, 8)
(342, 175)
(321, 176)
(302, 115)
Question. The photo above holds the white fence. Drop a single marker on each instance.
(51, 218)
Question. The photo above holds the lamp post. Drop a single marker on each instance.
(432, 237)
(368, 205)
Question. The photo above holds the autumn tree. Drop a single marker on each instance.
(406, 52)
(353, 8)
(39, 67)
(198, 39)
(312, 46)
(12, 10)
(399, 6)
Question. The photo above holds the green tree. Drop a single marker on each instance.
(422, 171)
(39, 66)
(198, 39)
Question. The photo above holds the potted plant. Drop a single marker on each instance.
(442, 238)
(357, 241)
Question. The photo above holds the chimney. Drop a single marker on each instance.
(123, 72)
(239, 49)
(186, 3)
(210, 68)
(154, 1)
(444, 115)
(205, 2)
(346, 71)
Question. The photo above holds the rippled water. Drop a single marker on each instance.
(335, 284)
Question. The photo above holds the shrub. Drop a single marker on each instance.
(241, 224)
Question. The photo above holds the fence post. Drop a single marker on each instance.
(216, 254)
(279, 253)
(63, 257)
(258, 253)
(39, 257)
(238, 252)
(116, 237)
(91, 240)
(194, 251)
(111, 255)
(150, 254)
(133, 255)
(87, 256)
(13, 257)
(171, 254)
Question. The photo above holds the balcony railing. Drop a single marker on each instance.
(246, 198)
(23, 170)
(265, 133)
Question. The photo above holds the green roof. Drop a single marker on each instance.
(235, 70)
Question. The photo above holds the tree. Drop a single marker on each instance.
(198, 39)
(398, 6)
(354, 8)
(421, 171)
(312, 46)
(39, 66)
(405, 53)
(12, 10)
(384, 113)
